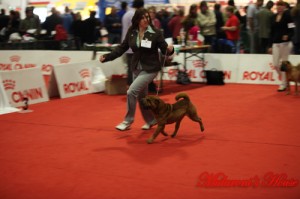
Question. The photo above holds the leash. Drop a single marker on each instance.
(161, 75)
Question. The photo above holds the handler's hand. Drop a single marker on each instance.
(170, 48)
(102, 59)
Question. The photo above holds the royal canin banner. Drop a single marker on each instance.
(237, 68)
(75, 79)
(20, 84)
(43, 59)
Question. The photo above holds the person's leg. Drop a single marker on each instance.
(251, 41)
(147, 114)
(285, 50)
(129, 70)
(138, 86)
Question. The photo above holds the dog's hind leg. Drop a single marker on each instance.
(194, 117)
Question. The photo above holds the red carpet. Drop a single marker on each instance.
(69, 149)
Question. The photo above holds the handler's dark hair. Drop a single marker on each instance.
(138, 16)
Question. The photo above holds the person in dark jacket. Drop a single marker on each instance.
(92, 26)
(296, 16)
(282, 30)
(51, 21)
(144, 40)
(114, 26)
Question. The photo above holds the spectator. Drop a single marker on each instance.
(175, 25)
(253, 25)
(78, 29)
(67, 19)
(4, 19)
(191, 19)
(155, 21)
(281, 35)
(92, 28)
(126, 23)
(123, 9)
(14, 22)
(51, 21)
(232, 26)
(207, 22)
(164, 24)
(295, 12)
(113, 26)
(219, 22)
(31, 21)
(264, 16)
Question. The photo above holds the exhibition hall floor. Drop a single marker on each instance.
(69, 148)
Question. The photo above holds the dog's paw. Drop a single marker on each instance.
(164, 133)
(202, 128)
(173, 135)
(150, 141)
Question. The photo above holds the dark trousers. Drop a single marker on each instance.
(297, 48)
(263, 45)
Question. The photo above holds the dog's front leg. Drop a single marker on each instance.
(160, 128)
(296, 88)
(288, 88)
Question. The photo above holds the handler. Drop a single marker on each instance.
(144, 40)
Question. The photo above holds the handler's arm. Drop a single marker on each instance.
(163, 46)
(118, 51)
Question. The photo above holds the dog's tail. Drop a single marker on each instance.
(182, 95)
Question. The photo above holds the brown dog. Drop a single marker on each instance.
(170, 113)
(292, 74)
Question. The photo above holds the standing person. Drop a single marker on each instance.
(4, 19)
(165, 19)
(295, 12)
(281, 35)
(31, 21)
(175, 24)
(190, 20)
(78, 29)
(219, 22)
(207, 22)
(264, 16)
(113, 26)
(232, 27)
(126, 23)
(67, 21)
(123, 9)
(155, 21)
(14, 22)
(252, 25)
(51, 21)
(92, 27)
(145, 40)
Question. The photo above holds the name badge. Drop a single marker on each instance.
(146, 43)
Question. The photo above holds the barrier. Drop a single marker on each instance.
(71, 80)
(45, 60)
(24, 83)
(237, 68)
(5, 107)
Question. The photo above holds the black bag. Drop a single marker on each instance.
(214, 77)
(183, 78)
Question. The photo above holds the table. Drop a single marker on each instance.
(195, 51)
